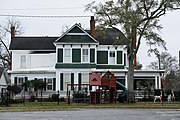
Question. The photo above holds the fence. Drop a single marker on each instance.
(150, 95)
(5, 97)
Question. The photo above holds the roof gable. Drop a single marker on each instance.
(76, 30)
(76, 35)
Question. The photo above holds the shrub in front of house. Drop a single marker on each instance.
(55, 97)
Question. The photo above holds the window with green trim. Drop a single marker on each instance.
(61, 82)
(79, 80)
(54, 84)
(92, 55)
(60, 55)
(76, 55)
(124, 59)
(119, 57)
(102, 57)
(72, 81)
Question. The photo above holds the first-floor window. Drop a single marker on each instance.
(49, 84)
(21, 81)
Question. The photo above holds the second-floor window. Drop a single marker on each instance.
(112, 57)
(67, 53)
(23, 61)
(84, 55)
(112, 53)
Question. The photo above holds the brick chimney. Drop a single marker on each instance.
(92, 26)
(12, 31)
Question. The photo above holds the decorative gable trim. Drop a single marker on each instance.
(76, 34)
(69, 32)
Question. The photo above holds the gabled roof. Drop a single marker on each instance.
(32, 43)
(76, 34)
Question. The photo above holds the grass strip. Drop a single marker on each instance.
(63, 106)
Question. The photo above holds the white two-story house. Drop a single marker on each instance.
(71, 57)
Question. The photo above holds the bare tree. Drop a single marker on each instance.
(11, 22)
(166, 62)
(5, 31)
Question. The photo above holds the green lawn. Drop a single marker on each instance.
(52, 106)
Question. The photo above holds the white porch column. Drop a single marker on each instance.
(126, 82)
(57, 81)
(159, 82)
(156, 82)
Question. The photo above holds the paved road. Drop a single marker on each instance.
(95, 114)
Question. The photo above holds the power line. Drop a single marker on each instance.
(46, 16)
(44, 8)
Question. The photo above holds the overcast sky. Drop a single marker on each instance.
(54, 27)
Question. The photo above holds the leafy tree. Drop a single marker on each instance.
(35, 84)
(131, 18)
(38, 84)
(14, 89)
(27, 85)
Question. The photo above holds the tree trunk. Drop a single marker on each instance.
(130, 81)
(130, 77)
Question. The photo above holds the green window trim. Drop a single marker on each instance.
(76, 30)
(79, 80)
(102, 57)
(45, 83)
(60, 55)
(26, 79)
(61, 82)
(124, 59)
(72, 81)
(15, 80)
(76, 55)
(75, 66)
(54, 84)
(110, 66)
(119, 57)
(92, 55)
